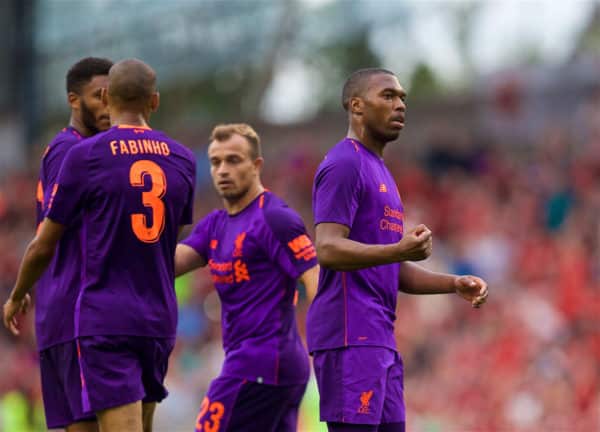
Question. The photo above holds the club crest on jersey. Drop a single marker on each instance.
(365, 400)
(239, 244)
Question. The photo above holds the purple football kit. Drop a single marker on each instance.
(55, 296)
(255, 258)
(131, 188)
(350, 324)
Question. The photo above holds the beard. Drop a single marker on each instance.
(88, 119)
(234, 196)
(384, 136)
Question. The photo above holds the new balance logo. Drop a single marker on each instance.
(382, 187)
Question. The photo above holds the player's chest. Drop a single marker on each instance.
(235, 255)
(380, 206)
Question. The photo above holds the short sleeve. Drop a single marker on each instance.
(188, 211)
(69, 191)
(52, 162)
(336, 191)
(287, 242)
(200, 237)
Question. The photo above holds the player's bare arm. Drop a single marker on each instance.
(37, 256)
(337, 252)
(187, 259)
(414, 279)
(310, 280)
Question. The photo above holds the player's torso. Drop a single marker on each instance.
(358, 307)
(140, 183)
(140, 187)
(259, 332)
(249, 284)
(379, 218)
(57, 289)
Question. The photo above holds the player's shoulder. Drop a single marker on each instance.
(176, 145)
(208, 223)
(279, 216)
(62, 141)
(346, 153)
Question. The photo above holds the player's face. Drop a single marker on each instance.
(232, 168)
(94, 114)
(384, 107)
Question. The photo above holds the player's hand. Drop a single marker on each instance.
(472, 289)
(11, 309)
(416, 244)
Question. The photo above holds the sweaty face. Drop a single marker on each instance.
(384, 107)
(232, 168)
(94, 114)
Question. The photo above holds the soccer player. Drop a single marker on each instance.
(256, 249)
(133, 188)
(365, 258)
(57, 290)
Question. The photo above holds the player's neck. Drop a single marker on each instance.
(128, 118)
(79, 126)
(365, 139)
(234, 207)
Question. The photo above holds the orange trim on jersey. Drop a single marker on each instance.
(126, 126)
(261, 201)
(355, 145)
(39, 195)
(345, 309)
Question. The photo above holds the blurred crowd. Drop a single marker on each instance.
(523, 215)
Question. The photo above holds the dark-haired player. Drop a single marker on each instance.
(256, 248)
(133, 189)
(365, 256)
(57, 289)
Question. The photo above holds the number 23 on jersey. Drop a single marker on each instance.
(214, 411)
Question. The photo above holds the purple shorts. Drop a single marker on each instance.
(118, 370)
(234, 404)
(360, 385)
(61, 386)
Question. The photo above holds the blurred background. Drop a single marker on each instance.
(500, 157)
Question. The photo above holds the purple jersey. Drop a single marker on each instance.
(60, 282)
(135, 188)
(353, 187)
(255, 257)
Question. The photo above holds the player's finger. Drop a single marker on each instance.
(424, 236)
(25, 304)
(13, 327)
(419, 229)
(480, 300)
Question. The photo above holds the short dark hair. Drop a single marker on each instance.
(355, 84)
(84, 70)
(223, 132)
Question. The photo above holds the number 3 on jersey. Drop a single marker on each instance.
(151, 198)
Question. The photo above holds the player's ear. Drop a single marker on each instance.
(74, 100)
(258, 163)
(355, 106)
(155, 101)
